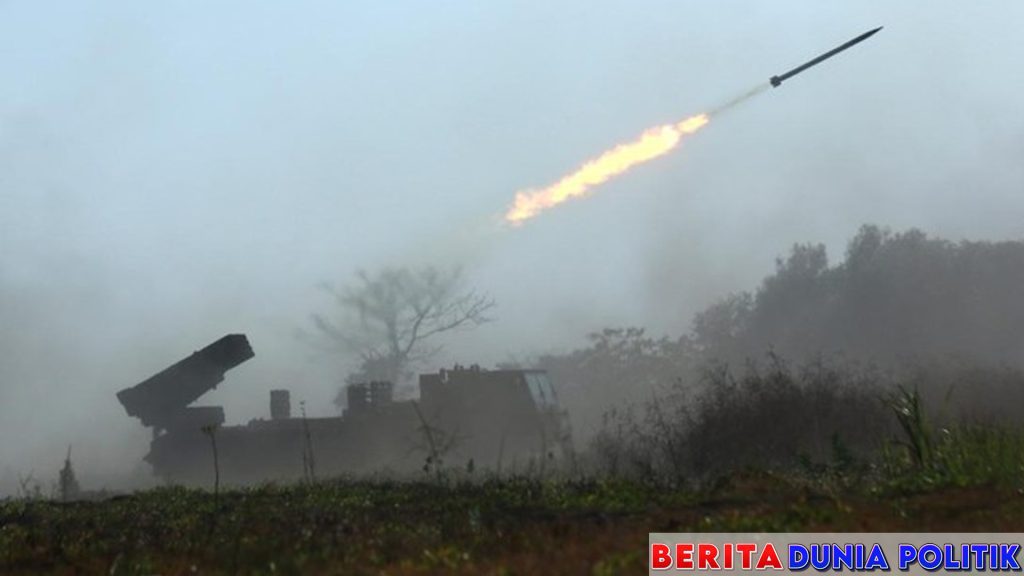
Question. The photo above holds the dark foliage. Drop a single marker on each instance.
(772, 417)
(896, 297)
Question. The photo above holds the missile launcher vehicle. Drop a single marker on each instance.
(468, 418)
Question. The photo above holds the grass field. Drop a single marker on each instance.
(507, 526)
(955, 478)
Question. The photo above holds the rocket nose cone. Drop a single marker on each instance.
(874, 31)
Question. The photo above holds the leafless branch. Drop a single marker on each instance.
(392, 318)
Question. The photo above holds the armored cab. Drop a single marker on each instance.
(499, 418)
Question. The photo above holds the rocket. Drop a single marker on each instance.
(777, 80)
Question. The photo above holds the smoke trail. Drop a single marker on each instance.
(739, 99)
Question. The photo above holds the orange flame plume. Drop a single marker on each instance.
(653, 143)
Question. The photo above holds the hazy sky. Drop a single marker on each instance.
(171, 173)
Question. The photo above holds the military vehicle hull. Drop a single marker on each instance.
(466, 418)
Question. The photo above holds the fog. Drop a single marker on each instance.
(170, 174)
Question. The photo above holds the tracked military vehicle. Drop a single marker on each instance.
(467, 417)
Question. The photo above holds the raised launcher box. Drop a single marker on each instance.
(161, 401)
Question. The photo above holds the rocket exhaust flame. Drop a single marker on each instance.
(651, 144)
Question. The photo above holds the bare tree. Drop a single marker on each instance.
(393, 318)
